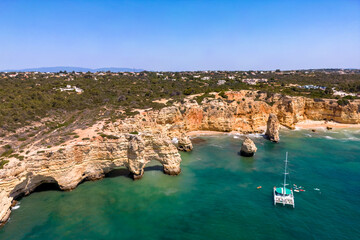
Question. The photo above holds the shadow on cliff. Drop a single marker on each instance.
(124, 172)
(45, 184)
(120, 172)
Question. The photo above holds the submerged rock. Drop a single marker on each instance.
(248, 148)
(273, 126)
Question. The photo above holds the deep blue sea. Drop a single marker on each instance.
(215, 196)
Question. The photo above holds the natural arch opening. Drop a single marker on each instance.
(154, 165)
(45, 185)
(119, 172)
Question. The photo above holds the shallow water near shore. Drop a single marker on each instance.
(215, 196)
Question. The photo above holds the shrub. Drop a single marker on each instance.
(2, 163)
(188, 91)
(343, 102)
(7, 153)
(108, 136)
(222, 94)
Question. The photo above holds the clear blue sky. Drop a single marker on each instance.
(180, 35)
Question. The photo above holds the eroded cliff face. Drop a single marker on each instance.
(272, 128)
(248, 112)
(160, 135)
(85, 161)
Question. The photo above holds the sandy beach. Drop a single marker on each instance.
(309, 124)
(197, 133)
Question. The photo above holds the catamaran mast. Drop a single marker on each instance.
(284, 192)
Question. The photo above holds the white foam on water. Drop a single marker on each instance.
(351, 139)
(169, 192)
(17, 206)
(218, 146)
(236, 136)
(328, 137)
(255, 135)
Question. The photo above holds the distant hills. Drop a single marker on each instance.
(75, 69)
(116, 69)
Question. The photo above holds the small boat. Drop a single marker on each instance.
(284, 195)
(316, 189)
(296, 190)
(302, 190)
(259, 187)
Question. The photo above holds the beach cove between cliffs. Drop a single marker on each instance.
(215, 196)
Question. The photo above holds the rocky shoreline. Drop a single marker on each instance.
(158, 135)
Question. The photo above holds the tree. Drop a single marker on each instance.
(328, 91)
(188, 91)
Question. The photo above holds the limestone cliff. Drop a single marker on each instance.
(85, 161)
(157, 135)
(248, 112)
(272, 128)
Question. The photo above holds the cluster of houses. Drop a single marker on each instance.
(254, 81)
(221, 82)
(71, 88)
(344, 94)
(312, 87)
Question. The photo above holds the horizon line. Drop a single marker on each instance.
(38, 69)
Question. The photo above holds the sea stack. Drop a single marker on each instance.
(184, 143)
(273, 126)
(248, 148)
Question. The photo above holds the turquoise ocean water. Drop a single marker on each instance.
(215, 196)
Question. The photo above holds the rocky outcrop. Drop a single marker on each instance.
(248, 148)
(272, 129)
(85, 161)
(184, 143)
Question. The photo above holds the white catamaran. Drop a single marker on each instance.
(284, 195)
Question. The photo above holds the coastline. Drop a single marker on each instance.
(214, 133)
(309, 124)
(201, 133)
(303, 125)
